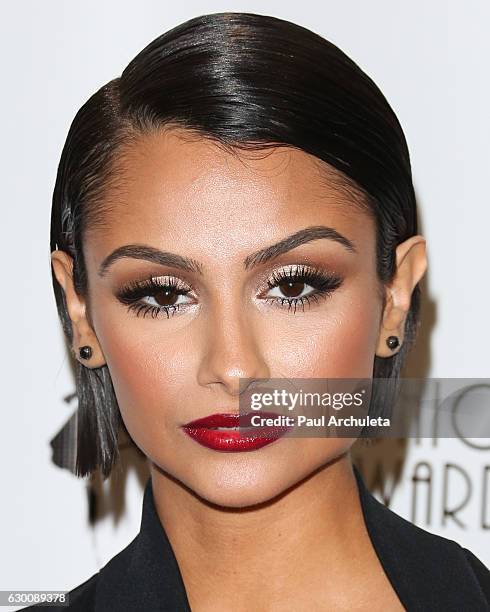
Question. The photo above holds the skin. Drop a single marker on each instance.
(296, 498)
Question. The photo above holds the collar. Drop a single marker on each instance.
(145, 575)
(424, 569)
(427, 571)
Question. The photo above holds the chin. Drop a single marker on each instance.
(246, 479)
(231, 495)
(240, 481)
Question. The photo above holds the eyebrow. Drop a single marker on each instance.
(165, 258)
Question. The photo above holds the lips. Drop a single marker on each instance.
(205, 431)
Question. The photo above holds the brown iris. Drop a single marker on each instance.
(166, 297)
(292, 290)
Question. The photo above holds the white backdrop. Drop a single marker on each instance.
(431, 62)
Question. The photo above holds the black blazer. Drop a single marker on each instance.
(428, 572)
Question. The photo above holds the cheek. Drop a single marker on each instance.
(150, 369)
(337, 341)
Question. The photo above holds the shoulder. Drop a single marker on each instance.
(85, 597)
(426, 566)
(80, 598)
(481, 572)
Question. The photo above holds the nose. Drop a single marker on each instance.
(232, 351)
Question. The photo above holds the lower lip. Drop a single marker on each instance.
(234, 440)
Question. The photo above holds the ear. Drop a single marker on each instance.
(83, 333)
(411, 264)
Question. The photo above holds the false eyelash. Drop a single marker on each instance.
(133, 292)
(325, 284)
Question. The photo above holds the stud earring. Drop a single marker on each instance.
(85, 352)
(392, 342)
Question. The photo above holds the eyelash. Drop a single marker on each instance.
(323, 283)
(132, 294)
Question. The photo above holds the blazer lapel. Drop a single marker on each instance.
(428, 572)
(145, 575)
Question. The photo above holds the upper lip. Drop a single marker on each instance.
(235, 419)
(228, 419)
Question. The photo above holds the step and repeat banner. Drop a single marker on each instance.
(430, 61)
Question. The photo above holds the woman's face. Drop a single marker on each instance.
(169, 367)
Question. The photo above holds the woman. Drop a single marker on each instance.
(238, 205)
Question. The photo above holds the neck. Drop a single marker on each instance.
(256, 550)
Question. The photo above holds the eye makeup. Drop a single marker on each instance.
(293, 280)
(164, 291)
(294, 286)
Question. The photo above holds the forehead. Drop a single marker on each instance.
(179, 186)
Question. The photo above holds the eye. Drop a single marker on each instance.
(299, 285)
(156, 295)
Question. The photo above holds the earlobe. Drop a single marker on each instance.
(411, 262)
(391, 337)
(90, 355)
(85, 346)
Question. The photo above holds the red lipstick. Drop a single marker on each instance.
(245, 436)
